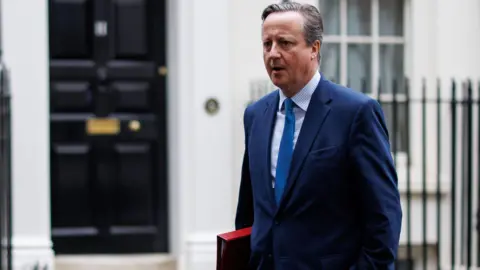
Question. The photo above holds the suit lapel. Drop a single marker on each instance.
(265, 126)
(315, 116)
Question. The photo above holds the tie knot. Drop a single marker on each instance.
(288, 105)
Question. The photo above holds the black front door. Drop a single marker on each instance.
(108, 126)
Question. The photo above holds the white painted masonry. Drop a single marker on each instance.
(214, 50)
(202, 145)
(25, 46)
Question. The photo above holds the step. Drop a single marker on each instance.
(115, 262)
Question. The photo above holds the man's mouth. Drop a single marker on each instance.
(277, 68)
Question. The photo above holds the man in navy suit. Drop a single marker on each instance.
(318, 185)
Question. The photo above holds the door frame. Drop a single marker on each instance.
(175, 224)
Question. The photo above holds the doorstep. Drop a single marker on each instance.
(115, 262)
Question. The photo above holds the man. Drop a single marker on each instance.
(318, 182)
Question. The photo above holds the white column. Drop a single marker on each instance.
(200, 144)
(25, 46)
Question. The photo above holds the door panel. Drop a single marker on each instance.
(71, 177)
(108, 126)
(71, 96)
(130, 30)
(69, 26)
(132, 96)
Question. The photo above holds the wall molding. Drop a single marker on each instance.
(31, 242)
(31, 251)
(202, 250)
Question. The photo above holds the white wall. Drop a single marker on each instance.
(201, 144)
(25, 45)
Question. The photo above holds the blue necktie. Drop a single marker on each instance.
(286, 151)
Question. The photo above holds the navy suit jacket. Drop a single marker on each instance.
(341, 205)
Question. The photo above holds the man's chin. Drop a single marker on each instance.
(278, 82)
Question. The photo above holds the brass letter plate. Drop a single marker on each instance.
(103, 126)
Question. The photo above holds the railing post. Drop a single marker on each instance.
(469, 173)
(2, 185)
(424, 173)
(453, 171)
(5, 172)
(439, 164)
(2, 180)
(478, 174)
(408, 215)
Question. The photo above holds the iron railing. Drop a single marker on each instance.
(5, 173)
(434, 129)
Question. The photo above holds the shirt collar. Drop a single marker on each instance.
(303, 97)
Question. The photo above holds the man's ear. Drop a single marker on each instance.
(316, 47)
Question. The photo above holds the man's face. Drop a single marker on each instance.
(287, 57)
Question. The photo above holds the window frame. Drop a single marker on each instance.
(375, 40)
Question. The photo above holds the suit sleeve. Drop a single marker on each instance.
(244, 215)
(377, 181)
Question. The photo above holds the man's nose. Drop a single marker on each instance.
(274, 53)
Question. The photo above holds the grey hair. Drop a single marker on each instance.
(313, 21)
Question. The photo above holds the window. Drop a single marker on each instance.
(363, 48)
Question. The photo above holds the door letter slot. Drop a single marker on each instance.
(103, 126)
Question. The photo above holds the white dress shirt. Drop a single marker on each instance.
(301, 101)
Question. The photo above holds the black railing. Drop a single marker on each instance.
(434, 128)
(5, 173)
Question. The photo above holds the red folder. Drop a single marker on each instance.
(233, 249)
